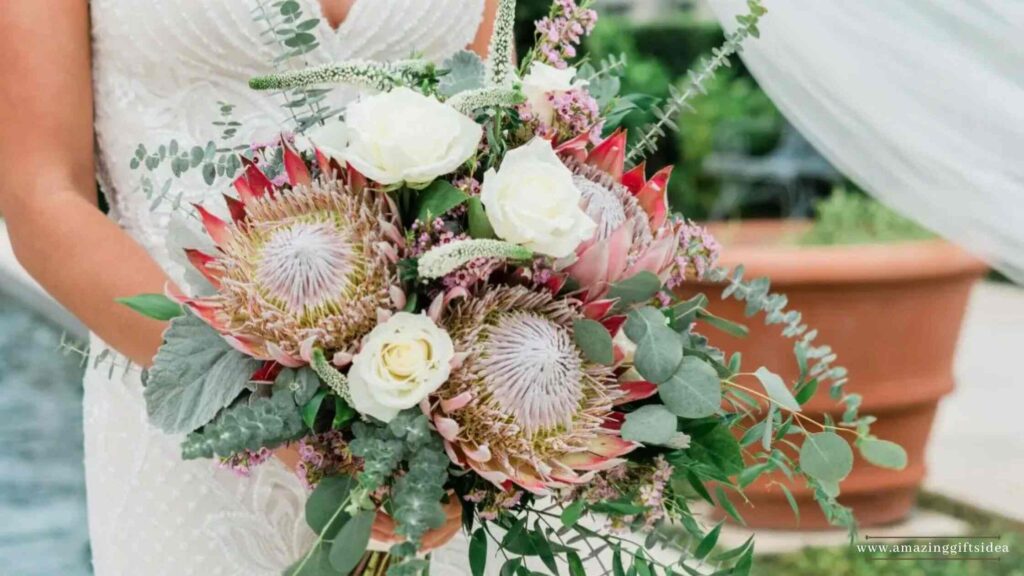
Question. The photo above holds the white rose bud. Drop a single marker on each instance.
(402, 361)
(532, 201)
(544, 81)
(404, 136)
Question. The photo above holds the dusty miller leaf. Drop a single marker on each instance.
(465, 72)
(195, 375)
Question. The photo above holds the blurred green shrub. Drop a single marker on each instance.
(848, 217)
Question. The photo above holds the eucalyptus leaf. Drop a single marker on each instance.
(351, 543)
(324, 507)
(659, 350)
(303, 383)
(883, 453)
(825, 456)
(693, 391)
(314, 563)
(572, 513)
(312, 408)
(635, 289)
(651, 424)
(777, 389)
(194, 375)
(593, 340)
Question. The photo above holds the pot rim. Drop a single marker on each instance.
(834, 264)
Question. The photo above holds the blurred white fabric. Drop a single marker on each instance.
(921, 103)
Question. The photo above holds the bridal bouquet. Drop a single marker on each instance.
(456, 301)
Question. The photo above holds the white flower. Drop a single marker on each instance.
(532, 201)
(404, 136)
(544, 81)
(402, 362)
(331, 139)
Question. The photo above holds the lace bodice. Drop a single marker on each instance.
(161, 70)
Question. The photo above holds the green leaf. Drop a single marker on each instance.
(352, 540)
(777, 389)
(727, 326)
(593, 340)
(572, 513)
(343, 413)
(312, 408)
(575, 564)
(659, 350)
(719, 449)
(792, 501)
(155, 306)
(324, 512)
(315, 563)
(635, 289)
(478, 552)
(618, 508)
(265, 422)
(708, 543)
(726, 504)
(651, 424)
(511, 566)
(807, 391)
(437, 199)
(826, 457)
(617, 568)
(693, 391)
(883, 453)
(479, 224)
(302, 383)
(698, 486)
(194, 375)
(465, 71)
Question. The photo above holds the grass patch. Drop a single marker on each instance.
(847, 562)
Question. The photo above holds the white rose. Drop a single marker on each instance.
(543, 81)
(404, 136)
(402, 361)
(532, 201)
(331, 139)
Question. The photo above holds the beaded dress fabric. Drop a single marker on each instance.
(161, 70)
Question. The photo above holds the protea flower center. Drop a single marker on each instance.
(524, 405)
(532, 371)
(301, 267)
(307, 265)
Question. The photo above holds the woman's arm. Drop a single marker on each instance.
(47, 184)
(483, 35)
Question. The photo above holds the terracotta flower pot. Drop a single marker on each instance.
(892, 312)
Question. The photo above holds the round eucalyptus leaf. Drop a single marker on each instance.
(352, 541)
(693, 391)
(652, 424)
(883, 453)
(825, 456)
(323, 504)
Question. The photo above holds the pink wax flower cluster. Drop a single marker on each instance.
(560, 33)
(698, 253)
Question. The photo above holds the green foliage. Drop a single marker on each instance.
(463, 71)
(659, 350)
(195, 374)
(437, 199)
(693, 391)
(479, 225)
(825, 456)
(264, 422)
(883, 453)
(651, 424)
(155, 306)
(350, 545)
(635, 290)
(593, 339)
(855, 218)
(777, 389)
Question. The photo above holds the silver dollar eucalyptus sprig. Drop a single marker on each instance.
(679, 100)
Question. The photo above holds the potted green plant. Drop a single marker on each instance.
(889, 297)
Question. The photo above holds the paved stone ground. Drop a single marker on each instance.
(42, 496)
(977, 451)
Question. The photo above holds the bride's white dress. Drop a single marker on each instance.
(160, 69)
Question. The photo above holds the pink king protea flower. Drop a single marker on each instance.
(308, 264)
(634, 233)
(523, 406)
